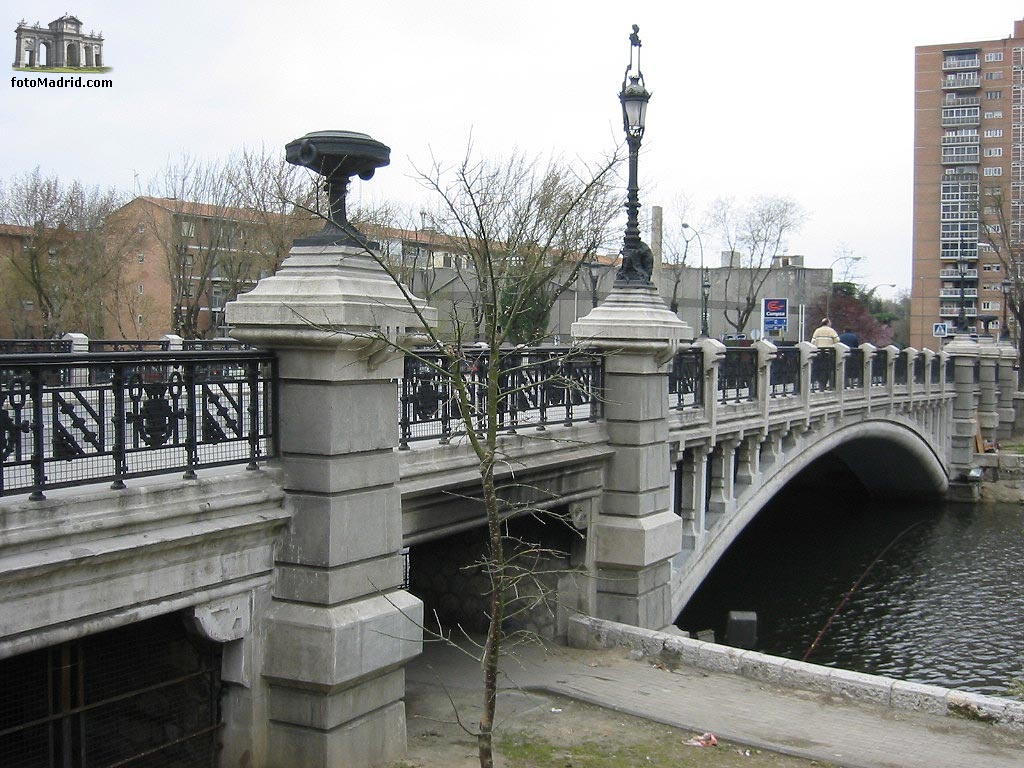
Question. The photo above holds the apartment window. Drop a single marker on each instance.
(995, 115)
(997, 75)
(993, 151)
(992, 268)
(990, 305)
(993, 133)
(141, 288)
(140, 319)
(141, 229)
(142, 258)
(188, 228)
(994, 56)
(993, 172)
(994, 191)
(994, 229)
(993, 95)
(990, 209)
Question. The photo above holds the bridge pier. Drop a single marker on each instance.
(636, 534)
(964, 352)
(1007, 386)
(339, 627)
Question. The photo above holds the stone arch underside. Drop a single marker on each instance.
(890, 457)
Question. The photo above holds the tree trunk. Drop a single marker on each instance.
(496, 565)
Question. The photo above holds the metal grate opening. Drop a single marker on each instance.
(144, 696)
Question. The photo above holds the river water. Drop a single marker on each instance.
(943, 604)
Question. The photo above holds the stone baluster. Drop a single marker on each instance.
(692, 489)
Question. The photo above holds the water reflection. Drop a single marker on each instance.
(944, 605)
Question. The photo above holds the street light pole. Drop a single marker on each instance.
(832, 282)
(637, 260)
(705, 280)
(961, 268)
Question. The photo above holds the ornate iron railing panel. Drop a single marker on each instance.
(899, 374)
(34, 346)
(539, 387)
(78, 418)
(122, 345)
(785, 372)
(823, 370)
(686, 379)
(880, 369)
(919, 372)
(853, 371)
(737, 375)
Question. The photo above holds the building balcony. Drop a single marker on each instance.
(954, 293)
(962, 101)
(971, 159)
(954, 274)
(969, 121)
(953, 65)
(975, 139)
(951, 311)
(965, 81)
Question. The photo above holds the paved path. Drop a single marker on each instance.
(811, 725)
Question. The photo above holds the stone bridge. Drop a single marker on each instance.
(296, 571)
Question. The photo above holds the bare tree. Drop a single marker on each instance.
(1002, 233)
(63, 264)
(754, 235)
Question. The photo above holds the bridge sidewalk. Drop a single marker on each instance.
(810, 725)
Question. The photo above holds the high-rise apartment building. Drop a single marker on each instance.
(968, 183)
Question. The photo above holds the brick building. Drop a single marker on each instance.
(968, 181)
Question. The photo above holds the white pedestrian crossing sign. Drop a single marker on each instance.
(940, 330)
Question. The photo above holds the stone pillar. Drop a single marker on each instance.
(339, 627)
(869, 351)
(693, 493)
(964, 352)
(79, 377)
(748, 464)
(1007, 386)
(842, 352)
(723, 463)
(636, 532)
(988, 406)
(766, 352)
(771, 448)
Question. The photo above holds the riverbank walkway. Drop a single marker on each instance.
(816, 726)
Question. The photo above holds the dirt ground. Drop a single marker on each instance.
(539, 730)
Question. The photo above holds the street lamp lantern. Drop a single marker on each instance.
(637, 259)
(634, 95)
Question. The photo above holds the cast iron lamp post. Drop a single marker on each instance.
(705, 280)
(637, 261)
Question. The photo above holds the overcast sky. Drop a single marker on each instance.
(810, 100)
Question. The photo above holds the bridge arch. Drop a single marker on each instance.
(890, 456)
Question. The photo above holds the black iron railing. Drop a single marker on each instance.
(823, 370)
(737, 375)
(853, 371)
(785, 372)
(538, 387)
(686, 379)
(77, 418)
(919, 372)
(899, 373)
(34, 346)
(880, 369)
(122, 345)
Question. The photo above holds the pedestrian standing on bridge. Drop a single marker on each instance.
(825, 335)
(849, 338)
